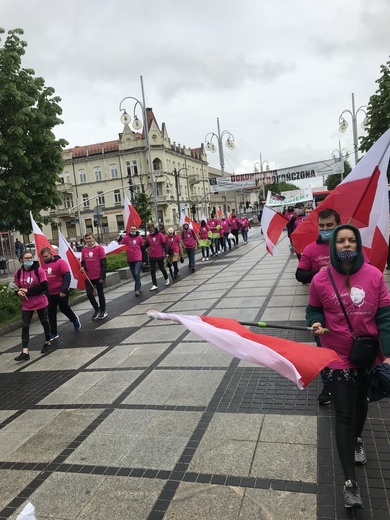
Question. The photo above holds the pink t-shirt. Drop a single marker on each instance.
(188, 238)
(27, 280)
(155, 243)
(204, 232)
(235, 223)
(225, 226)
(314, 257)
(368, 293)
(173, 242)
(54, 273)
(91, 257)
(134, 245)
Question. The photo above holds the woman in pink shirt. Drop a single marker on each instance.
(189, 240)
(363, 292)
(204, 240)
(32, 289)
(135, 249)
(174, 250)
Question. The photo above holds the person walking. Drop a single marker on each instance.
(18, 248)
(214, 226)
(155, 241)
(204, 240)
(225, 227)
(189, 241)
(58, 278)
(134, 253)
(94, 265)
(330, 289)
(234, 226)
(174, 250)
(244, 224)
(32, 289)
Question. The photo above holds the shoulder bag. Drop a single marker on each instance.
(364, 348)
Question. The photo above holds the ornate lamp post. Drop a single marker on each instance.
(340, 154)
(343, 124)
(137, 125)
(261, 164)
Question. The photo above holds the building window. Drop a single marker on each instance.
(114, 171)
(83, 178)
(67, 177)
(131, 168)
(157, 165)
(68, 201)
(100, 198)
(98, 173)
(117, 196)
(85, 200)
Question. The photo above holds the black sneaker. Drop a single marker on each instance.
(102, 315)
(23, 356)
(360, 452)
(352, 496)
(46, 348)
(95, 315)
(324, 397)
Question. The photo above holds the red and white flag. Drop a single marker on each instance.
(272, 224)
(191, 224)
(40, 240)
(362, 200)
(298, 362)
(113, 248)
(73, 260)
(131, 216)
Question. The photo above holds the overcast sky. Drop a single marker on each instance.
(277, 73)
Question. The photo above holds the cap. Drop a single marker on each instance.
(170, 230)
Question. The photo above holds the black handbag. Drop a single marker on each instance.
(365, 349)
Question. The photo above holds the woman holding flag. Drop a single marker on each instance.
(331, 290)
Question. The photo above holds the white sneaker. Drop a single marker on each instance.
(154, 288)
(207, 258)
(203, 259)
(167, 281)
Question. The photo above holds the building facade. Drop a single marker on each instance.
(96, 177)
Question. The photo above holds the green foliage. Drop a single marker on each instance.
(378, 111)
(142, 204)
(10, 306)
(334, 180)
(278, 187)
(115, 262)
(30, 155)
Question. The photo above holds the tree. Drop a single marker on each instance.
(334, 180)
(378, 111)
(30, 155)
(142, 205)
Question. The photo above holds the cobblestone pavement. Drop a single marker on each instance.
(132, 418)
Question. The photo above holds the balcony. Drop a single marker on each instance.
(194, 178)
(65, 187)
(61, 212)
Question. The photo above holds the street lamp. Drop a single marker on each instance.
(137, 125)
(176, 174)
(339, 154)
(343, 124)
(261, 164)
(210, 146)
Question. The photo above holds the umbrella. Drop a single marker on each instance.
(380, 382)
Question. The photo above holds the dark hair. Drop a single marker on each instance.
(202, 222)
(45, 250)
(89, 235)
(329, 212)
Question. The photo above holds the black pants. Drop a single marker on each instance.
(227, 239)
(96, 284)
(26, 320)
(160, 263)
(349, 390)
(63, 304)
(235, 234)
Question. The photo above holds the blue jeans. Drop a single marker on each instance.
(135, 268)
(244, 233)
(191, 256)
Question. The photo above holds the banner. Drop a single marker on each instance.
(303, 195)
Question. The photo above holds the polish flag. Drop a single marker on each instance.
(40, 240)
(73, 260)
(113, 248)
(362, 200)
(131, 216)
(191, 224)
(272, 224)
(298, 362)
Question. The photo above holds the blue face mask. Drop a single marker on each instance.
(28, 263)
(326, 234)
(346, 256)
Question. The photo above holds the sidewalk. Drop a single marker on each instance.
(133, 418)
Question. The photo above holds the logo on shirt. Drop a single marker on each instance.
(90, 254)
(49, 270)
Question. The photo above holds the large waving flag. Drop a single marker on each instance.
(191, 224)
(272, 224)
(40, 240)
(131, 216)
(362, 200)
(298, 362)
(113, 248)
(73, 260)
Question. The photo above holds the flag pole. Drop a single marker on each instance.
(262, 324)
(81, 267)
